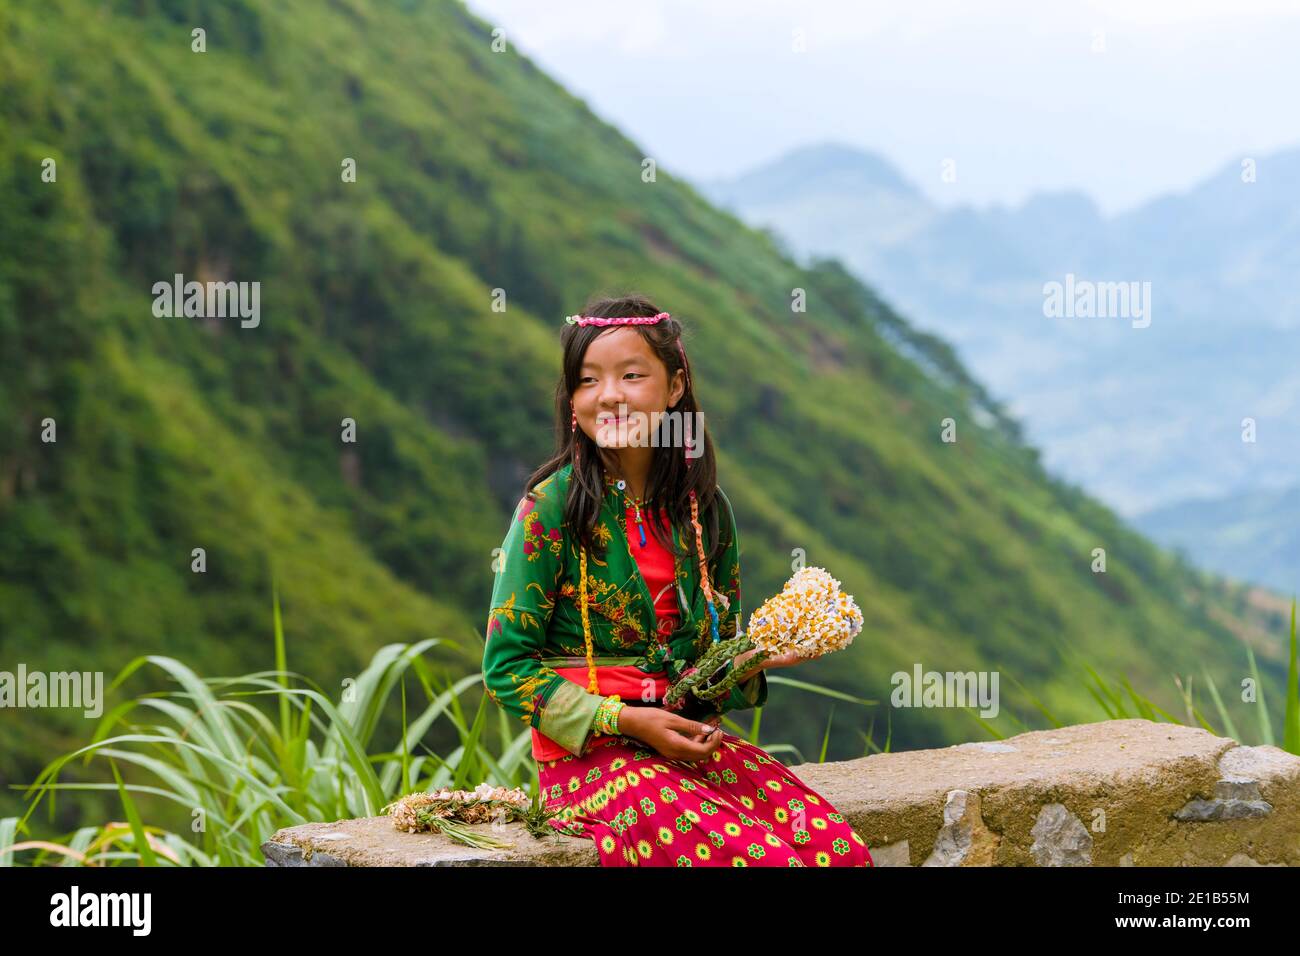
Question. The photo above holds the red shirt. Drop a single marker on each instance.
(659, 570)
(656, 565)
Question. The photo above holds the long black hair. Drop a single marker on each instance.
(671, 478)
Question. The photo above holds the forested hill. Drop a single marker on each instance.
(475, 177)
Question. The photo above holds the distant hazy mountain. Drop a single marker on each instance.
(828, 195)
(1253, 536)
(1143, 417)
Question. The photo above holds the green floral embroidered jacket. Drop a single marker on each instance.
(535, 623)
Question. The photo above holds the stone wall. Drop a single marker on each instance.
(1112, 793)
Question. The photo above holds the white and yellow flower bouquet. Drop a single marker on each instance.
(810, 617)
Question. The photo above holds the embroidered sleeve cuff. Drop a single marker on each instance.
(569, 715)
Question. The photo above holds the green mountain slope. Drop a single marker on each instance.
(475, 173)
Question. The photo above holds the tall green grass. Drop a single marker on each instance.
(239, 774)
(1119, 700)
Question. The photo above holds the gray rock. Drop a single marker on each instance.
(963, 839)
(288, 854)
(893, 854)
(1235, 799)
(1060, 839)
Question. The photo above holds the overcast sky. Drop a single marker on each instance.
(1124, 100)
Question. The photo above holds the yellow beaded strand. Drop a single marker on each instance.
(592, 686)
(606, 721)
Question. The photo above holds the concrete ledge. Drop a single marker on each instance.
(1112, 793)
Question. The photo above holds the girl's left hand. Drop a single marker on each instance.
(788, 659)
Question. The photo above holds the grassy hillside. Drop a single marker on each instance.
(474, 173)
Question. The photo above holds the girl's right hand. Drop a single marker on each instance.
(670, 734)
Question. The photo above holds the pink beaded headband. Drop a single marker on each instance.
(585, 320)
(620, 320)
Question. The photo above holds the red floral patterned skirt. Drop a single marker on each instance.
(741, 807)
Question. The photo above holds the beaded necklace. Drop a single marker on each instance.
(660, 653)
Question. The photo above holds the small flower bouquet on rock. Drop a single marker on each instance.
(810, 617)
(447, 811)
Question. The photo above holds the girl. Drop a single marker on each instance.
(621, 565)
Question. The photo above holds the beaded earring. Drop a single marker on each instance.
(689, 439)
(573, 432)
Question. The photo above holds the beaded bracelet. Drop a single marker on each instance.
(607, 715)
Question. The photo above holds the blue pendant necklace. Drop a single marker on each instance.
(640, 526)
(621, 485)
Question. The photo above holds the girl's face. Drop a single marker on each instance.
(620, 369)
